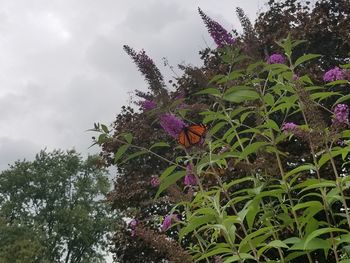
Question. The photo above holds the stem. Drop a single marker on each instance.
(323, 193)
(282, 173)
(151, 152)
(339, 185)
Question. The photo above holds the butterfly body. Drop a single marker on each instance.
(192, 135)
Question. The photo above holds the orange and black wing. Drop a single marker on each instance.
(192, 135)
(183, 138)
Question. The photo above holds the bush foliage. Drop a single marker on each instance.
(269, 181)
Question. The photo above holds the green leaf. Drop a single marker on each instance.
(313, 204)
(324, 95)
(217, 127)
(240, 93)
(337, 82)
(342, 99)
(159, 144)
(169, 180)
(254, 234)
(217, 78)
(319, 232)
(305, 58)
(134, 155)
(167, 171)
(301, 168)
(216, 251)
(128, 137)
(313, 244)
(210, 91)
(104, 128)
(194, 223)
(269, 99)
(122, 149)
(252, 148)
(235, 258)
(326, 157)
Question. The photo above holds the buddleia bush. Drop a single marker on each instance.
(269, 180)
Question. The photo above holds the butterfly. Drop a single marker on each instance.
(192, 134)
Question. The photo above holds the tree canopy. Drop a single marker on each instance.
(53, 209)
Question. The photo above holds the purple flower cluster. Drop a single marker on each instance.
(190, 178)
(289, 127)
(148, 69)
(333, 74)
(147, 105)
(276, 59)
(217, 32)
(155, 181)
(168, 220)
(172, 124)
(341, 114)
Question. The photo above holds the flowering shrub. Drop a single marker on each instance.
(270, 183)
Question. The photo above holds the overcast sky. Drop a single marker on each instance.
(62, 66)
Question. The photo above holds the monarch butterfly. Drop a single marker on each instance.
(192, 134)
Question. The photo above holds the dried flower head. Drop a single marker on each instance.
(276, 59)
(333, 74)
(172, 124)
(217, 32)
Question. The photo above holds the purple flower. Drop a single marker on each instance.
(333, 74)
(155, 181)
(341, 114)
(171, 124)
(168, 220)
(133, 224)
(295, 77)
(190, 178)
(147, 68)
(289, 127)
(276, 59)
(217, 32)
(147, 105)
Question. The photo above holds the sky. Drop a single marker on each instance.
(62, 66)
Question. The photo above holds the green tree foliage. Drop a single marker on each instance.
(263, 195)
(52, 209)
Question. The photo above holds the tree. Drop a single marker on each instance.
(52, 209)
